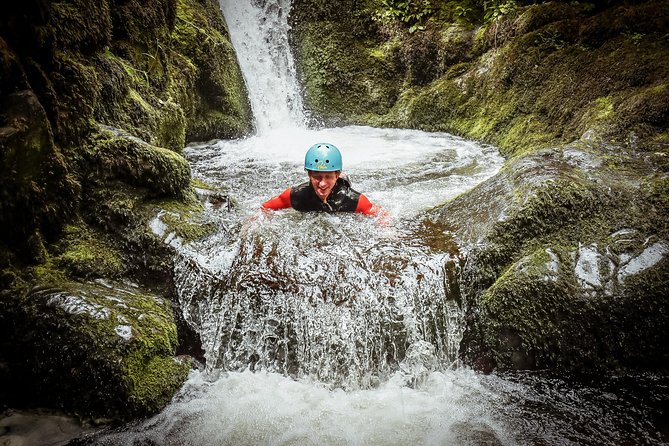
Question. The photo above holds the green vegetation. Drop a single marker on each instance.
(412, 13)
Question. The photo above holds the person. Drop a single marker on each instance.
(327, 190)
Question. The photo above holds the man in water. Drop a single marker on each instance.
(327, 189)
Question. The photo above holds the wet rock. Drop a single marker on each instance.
(161, 171)
(562, 279)
(471, 433)
(99, 348)
(18, 428)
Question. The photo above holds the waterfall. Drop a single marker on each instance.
(350, 312)
(259, 33)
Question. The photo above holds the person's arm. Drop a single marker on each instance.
(280, 202)
(366, 207)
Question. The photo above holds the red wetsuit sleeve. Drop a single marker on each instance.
(366, 207)
(280, 202)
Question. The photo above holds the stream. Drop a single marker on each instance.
(342, 329)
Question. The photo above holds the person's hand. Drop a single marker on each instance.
(384, 217)
(253, 220)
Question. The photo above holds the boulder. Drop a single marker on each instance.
(100, 348)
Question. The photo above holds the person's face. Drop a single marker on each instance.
(323, 182)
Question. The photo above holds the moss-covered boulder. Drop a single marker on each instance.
(566, 264)
(347, 71)
(217, 100)
(161, 171)
(99, 349)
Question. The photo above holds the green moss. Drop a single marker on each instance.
(151, 374)
(221, 108)
(523, 311)
(161, 171)
(48, 273)
(326, 68)
(171, 132)
(107, 350)
(73, 28)
(153, 381)
(195, 182)
(602, 108)
(527, 131)
(186, 229)
(84, 252)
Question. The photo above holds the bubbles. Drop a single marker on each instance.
(246, 408)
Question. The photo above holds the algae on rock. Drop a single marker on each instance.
(108, 353)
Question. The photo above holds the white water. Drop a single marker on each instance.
(259, 32)
(335, 329)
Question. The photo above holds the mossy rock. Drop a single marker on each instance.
(102, 350)
(161, 171)
(87, 253)
(582, 311)
(130, 103)
(551, 241)
(39, 191)
(344, 79)
(73, 27)
(220, 107)
(520, 317)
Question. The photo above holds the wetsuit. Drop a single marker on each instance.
(342, 198)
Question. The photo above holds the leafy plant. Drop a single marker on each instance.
(464, 11)
(496, 9)
(636, 38)
(409, 12)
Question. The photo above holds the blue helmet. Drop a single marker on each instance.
(323, 157)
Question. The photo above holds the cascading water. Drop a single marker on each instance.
(323, 329)
(259, 32)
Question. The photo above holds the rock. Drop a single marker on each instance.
(100, 348)
(161, 171)
(557, 274)
(38, 189)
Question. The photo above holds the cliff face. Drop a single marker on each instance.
(568, 244)
(97, 100)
